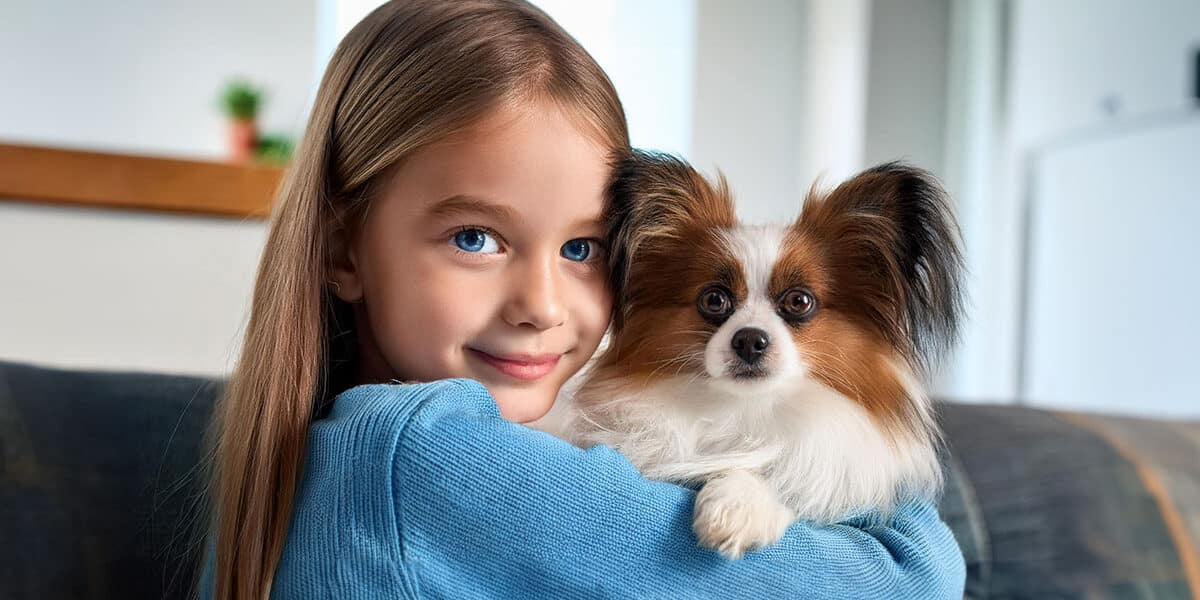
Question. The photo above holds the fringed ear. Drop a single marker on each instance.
(657, 198)
(894, 245)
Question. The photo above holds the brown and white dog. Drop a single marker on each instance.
(777, 366)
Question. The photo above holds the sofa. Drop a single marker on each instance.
(101, 487)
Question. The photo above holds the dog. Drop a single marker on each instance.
(776, 368)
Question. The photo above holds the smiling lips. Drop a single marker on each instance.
(526, 367)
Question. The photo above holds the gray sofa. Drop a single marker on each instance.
(100, 492)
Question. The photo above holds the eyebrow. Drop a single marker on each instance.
(463, 204)
(590, 223)
(460, 204)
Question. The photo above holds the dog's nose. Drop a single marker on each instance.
(750, 343)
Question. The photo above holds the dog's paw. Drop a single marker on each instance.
(737, 512)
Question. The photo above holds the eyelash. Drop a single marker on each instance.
(600, 250)
(475, 255)
(599, 254)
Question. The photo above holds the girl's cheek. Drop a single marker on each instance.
(594, 307)
(459, 296)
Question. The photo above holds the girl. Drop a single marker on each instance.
(443, 223)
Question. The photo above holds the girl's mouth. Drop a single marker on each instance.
(525, 367)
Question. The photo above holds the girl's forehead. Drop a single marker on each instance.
(529, 162)
(513, 116)
(514, 132)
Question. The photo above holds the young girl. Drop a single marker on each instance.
(443, 225)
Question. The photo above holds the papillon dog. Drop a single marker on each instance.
(776, 368)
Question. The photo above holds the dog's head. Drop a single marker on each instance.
(860, 291)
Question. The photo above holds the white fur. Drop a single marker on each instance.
(737, 511)
(756, 249)
(768, 450)
(822, 453)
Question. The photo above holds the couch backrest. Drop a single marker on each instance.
(99, 482)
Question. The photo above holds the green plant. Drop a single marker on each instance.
(274, 148)
(240, 100)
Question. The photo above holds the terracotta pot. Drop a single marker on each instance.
(243, 137)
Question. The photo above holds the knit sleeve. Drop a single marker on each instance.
(490, 509)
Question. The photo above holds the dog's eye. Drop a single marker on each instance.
(715, 304)
(797, 304)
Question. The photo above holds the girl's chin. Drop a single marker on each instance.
(522, 405)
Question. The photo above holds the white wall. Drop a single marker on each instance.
(973, 124)
(833, 131)
(114, 289)
(143, 76)
(750, 102)
(1068, 56)
(907, 83)
(121, 289)
(1067, 63)
(1114, 265)
(648, 50)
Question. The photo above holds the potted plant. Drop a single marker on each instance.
(274, 149)
(240, 102)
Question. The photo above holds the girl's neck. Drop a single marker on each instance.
(370, 366)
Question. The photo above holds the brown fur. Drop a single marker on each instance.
(678, 214)
(890, 237)
(663, 211)
(880, 254)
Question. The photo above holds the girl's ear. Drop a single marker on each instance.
(344, 276)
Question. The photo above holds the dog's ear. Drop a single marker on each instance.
(657, 199)
(891, 237)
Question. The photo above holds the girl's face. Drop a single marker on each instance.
(481, 257)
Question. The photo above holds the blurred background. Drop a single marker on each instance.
(1067, 131)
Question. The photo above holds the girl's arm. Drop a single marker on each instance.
(485, 507)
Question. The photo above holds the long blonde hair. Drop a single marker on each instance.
(410, 73)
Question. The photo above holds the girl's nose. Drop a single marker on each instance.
(535, 297)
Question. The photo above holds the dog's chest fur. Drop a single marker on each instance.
(819, 451)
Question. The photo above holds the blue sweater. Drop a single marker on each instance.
(424, 491)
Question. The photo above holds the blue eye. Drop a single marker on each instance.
(475, 241)
(577, 250)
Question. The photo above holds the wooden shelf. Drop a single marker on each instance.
(136, 182)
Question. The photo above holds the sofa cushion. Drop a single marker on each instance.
(1055, 504)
